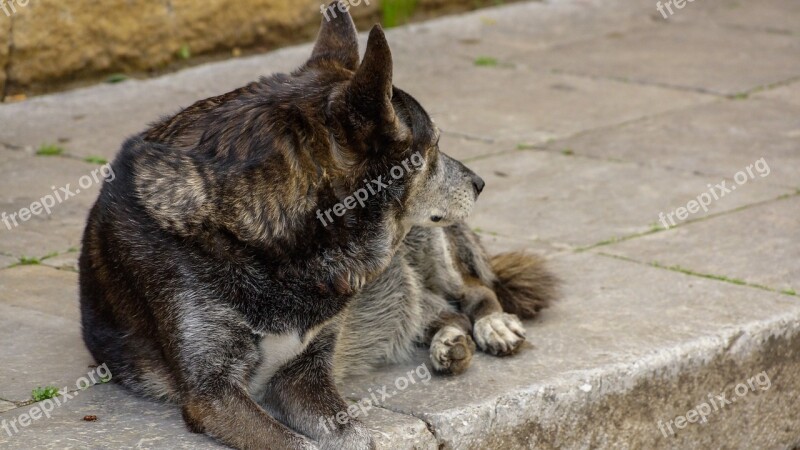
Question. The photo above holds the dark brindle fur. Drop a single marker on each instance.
(207, 278)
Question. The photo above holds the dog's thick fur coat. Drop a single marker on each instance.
(207, 279)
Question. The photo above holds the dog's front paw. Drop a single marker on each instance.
(451, 350)
(499, 333)
(354, 437)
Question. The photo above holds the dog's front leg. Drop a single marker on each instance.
(303, 395)
(230, 415)
(495, 331)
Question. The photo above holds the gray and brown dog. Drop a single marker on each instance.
(207, 278)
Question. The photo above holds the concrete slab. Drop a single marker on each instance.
(6, 260)
(681, 55)
(467, 148)
(28, 180)
(86, 122)
(529, 106)
(495, 243)
(454, 42)
(584, 201)
(757, 245)
(628, 346)
(6, 406)
(771, 16)
(789, 93)
(38, 350)
(43, 289)
(395, 431)
(8, 155)
(717, 140)
(125, 421)
(63, 261)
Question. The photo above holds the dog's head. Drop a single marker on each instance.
(383, 142)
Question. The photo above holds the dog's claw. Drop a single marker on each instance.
(451, 350)
(499, 333)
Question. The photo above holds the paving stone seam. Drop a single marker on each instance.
(659, 228)
(567, 248)
(429, 427)
(641, 164)
(38, 259)
(693, 273)
(639, 82)
(757, 29)
(711, 99)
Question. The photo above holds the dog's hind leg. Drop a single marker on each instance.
(303, 395)
(451, 347)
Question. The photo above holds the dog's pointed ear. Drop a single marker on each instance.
(371, 87)
(337, 39)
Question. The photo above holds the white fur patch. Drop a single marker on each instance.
(498, 333)
(276, 350)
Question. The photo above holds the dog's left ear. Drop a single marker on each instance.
(370, 90)
(337, 40)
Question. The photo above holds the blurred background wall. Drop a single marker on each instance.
(48, 45)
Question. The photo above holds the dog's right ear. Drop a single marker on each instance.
(337, 40)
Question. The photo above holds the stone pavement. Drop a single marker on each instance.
(587, 119)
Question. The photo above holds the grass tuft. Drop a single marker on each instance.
(44, 393)
(95, 160)
(49, 150)
(25, 261)
(485, 61)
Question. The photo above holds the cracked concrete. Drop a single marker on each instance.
(598, 116)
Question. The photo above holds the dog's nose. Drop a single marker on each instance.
(478, 184)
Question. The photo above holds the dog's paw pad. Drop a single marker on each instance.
(499, 333)
(451, 350)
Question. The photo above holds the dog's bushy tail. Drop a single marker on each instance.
(524, 285)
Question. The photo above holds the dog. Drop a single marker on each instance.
(208, 279)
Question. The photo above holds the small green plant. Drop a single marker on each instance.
(49, 150)
(44, 393)
(485, 61)
(789, 292)
(525, 146)
(95, 160)
(397, 12)
(25, 261)
(567, 151)
(740, 96)
(116, 78)
(184, 52)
